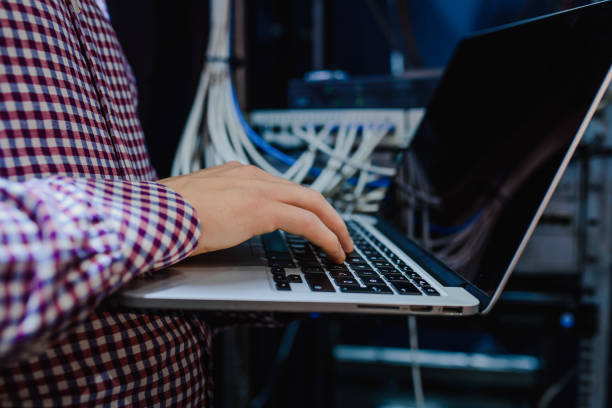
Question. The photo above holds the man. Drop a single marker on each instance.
(80, 216)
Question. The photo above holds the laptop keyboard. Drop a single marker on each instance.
(371, 268)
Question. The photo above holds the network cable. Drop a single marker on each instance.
(347, 176)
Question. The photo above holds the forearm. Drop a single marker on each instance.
(68, 243)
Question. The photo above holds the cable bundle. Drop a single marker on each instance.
(336, 160)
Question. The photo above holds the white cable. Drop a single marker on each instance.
(383, 171)
(306, 159)
(224, 138)
(345, 143)
(308, 162)
(361, 183)
(188, 139)
(217, 127)
(370, 138)
(320, 183)
(416, 369)
(234, 129)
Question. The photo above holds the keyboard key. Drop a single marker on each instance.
(293, 278)
(281, 264)
(312, 269)
(379, 288)
(278, 256)
(386, 269)
(366, 274)
(361, 267)
(372, 280)
(396, 277)
(354, 259)
(277, 270)
(279, 278)
(341, 274)
(336, 267)
(283, 286)
(382, 264)
(353, 289)
(274, 242)
(376, 258)
(346, 281)
(376, 289)
(431, 292)
(422, 283)
(319, 282)
(405, 288)
(309, 264)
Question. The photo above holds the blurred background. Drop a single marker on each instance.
(545, 345)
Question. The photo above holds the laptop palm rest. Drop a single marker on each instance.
(229, 273)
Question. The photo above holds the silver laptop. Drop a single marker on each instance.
(499, 132)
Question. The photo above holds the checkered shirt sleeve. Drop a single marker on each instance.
(68, 243)
(79, 217)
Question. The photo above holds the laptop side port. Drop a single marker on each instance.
(452, 310)
(387, 307)
(421, 309)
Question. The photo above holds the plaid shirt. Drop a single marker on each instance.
(79, 217)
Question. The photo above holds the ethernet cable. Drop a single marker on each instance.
(227, 136)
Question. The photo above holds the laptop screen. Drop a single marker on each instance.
(497, 128)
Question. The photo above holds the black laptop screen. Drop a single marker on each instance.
(502, 119)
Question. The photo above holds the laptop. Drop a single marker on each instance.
(508, 113)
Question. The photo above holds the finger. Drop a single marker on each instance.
(294, 194)
(300, 221)
(314, 202)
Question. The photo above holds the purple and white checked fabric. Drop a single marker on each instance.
(79, 217)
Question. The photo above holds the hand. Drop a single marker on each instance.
(236, 202)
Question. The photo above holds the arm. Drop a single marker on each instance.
(67, 243)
